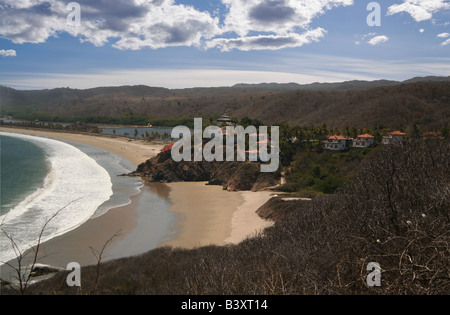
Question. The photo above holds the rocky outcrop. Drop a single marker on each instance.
(279, 206)
(233, 176)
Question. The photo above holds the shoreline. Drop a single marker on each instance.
(208, 215)
(187, 214)
(135, 151)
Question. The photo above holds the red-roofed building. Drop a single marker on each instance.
(335, 143)
(363, 141)
(168, 147)
(394, 137)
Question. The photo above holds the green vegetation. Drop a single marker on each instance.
(309, 169)
(313, 172)
(132, 120)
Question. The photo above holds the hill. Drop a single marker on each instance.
(354, 103)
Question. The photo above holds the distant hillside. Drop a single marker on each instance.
(338, 86)
(399, 106)
(348, 85)
(354, 103)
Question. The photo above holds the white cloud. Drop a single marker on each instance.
(277, 23)
(420, 10)
(275, 16)
(378, 40)
(7, 53)
(445, 43)
(421, 30)
(138, 24)
(444, 35)
(132, 24)
(31, 21)
(267, 42)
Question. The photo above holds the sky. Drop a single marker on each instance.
(204, 43)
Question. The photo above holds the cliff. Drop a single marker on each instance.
(233, 176)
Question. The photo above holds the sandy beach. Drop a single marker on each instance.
(135, 151)
(199, 214)
(245, 222)
(208, 215)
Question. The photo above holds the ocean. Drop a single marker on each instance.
(23, 170)
(56, 184)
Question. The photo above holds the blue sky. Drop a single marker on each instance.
(182, 44)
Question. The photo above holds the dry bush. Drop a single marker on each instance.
(395, 213)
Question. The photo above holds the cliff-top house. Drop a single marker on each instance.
(335, 143)
(363, 141)
(394, 137)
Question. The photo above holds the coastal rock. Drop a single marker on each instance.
(277, 207)
(41, 270)
(233, 176)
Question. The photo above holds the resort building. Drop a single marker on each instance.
(224, 120)
(394, 137)
(335, 143)
(363, 141)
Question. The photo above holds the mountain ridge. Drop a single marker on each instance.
(350, 84)
(423, 100)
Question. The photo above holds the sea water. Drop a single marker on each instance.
(61, 184)
(23, 170)
(51, 187)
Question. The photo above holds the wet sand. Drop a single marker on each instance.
(209, 215)
(123, 232)
(204, 214)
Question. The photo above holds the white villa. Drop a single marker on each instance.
(335, 143)
(394, 137)
(363, 141)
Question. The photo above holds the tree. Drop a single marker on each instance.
(445, 131)
(24, 273)
(378, 136)
(414, 132)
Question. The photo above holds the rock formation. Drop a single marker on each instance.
(233, 176)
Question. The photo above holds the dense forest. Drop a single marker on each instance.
(360, 104)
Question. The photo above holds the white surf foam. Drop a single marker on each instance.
(76, 184)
